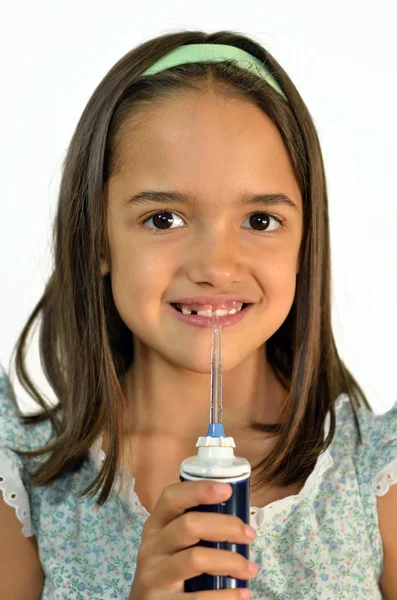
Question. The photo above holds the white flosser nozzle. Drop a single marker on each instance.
(215, 428)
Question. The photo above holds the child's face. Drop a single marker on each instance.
(216, 149)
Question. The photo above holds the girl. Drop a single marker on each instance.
(193, 182)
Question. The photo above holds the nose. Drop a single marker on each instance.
(216, 259)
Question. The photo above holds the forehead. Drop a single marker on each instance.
(205, 142)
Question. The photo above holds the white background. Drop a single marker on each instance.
(342, 58)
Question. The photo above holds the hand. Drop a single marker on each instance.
(166, 556)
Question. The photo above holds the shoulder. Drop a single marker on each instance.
(385, 480)
(14, 435)
(13, 431)
(378, 452)
(379, 461)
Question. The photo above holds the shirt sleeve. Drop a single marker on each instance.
(380, 431)
(12, 434)
(385, 456)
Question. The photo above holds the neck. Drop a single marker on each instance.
(166, 402)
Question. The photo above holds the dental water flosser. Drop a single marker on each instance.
(216, 461)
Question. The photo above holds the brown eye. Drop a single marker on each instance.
(162, 220)
(259, 221)
(262, 222)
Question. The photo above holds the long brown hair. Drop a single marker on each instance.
(86, 348)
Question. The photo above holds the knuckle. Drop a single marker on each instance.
(208, 487)
(195, 557)
(146, 527)
(241, 528)
(190, 522)
(141, 572)
(236, 527)
(147, 532)
(168, 494)
(145, 580)
(140, 559)
(146, 553)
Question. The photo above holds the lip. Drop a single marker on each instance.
(200, 321)
(212, 299)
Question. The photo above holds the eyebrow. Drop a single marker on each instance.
(149, 196)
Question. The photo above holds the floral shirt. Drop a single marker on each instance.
(321, 544)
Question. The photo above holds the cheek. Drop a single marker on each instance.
(139, 279)
(279, 273)
(278, 286)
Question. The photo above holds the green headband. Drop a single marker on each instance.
(194, 53)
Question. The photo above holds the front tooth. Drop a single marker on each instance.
(221, 312)
(205, 313)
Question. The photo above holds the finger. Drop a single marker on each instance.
(195, 561)
(177, 497)
(191, 527)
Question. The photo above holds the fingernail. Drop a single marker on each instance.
(250, 532)
(252, 567)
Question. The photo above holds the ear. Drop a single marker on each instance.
(104, 267)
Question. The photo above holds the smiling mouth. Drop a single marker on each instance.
(193, 312)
